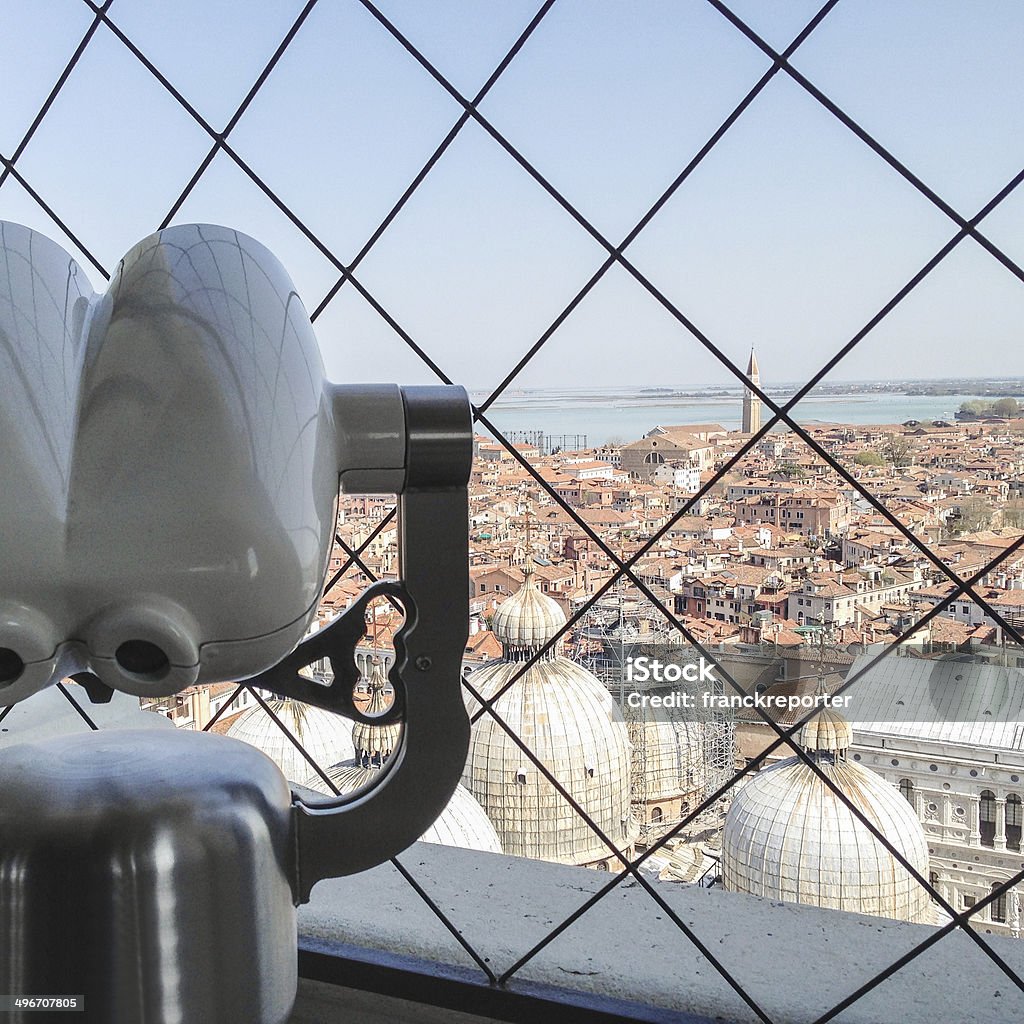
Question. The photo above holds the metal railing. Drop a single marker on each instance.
(61, 210)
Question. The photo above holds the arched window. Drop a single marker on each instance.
(988, 817)
(1013, 822)
(654, 458)
(907, 789)
(998, 906)
(656, 814)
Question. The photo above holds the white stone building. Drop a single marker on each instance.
(949, 735)
(680, 476)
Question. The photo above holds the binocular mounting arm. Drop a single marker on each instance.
(355, 832)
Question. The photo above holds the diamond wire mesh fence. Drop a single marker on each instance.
(103, 23)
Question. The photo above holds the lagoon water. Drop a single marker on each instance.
(623, 414)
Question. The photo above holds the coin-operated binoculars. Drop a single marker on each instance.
(170, 457)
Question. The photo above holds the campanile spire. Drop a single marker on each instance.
(751, 403)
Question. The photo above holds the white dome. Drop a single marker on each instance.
(563, 714)
(788, 837)
(462, 823)
(326, 737)
(527, 620)
(674, 761)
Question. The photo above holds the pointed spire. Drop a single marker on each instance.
(751, 421)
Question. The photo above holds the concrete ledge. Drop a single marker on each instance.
(795, 962)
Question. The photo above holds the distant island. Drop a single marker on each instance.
(1012, 388)
(983, 388)
(1002, 408)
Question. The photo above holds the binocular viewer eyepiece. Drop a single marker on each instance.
(171, 458)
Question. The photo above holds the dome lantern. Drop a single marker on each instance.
(528, 620)
(826, 733)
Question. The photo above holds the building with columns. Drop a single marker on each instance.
(751, 403)
(948, 735)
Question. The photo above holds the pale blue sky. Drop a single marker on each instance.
(789, 236)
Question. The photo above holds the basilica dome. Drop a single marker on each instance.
(463, 823)
(566, 717)
(789, 837)
(326, 737)
(674, 760)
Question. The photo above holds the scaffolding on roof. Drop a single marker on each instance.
(693, 745)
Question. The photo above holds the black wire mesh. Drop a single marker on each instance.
(625, 568)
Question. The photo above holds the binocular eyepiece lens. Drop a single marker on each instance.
(11, 666)
(142, 658)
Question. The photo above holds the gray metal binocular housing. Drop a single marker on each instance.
(170, 458)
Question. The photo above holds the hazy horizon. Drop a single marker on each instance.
(766, 384)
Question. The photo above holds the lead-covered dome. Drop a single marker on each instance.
(463, 823)
(326, 737)
(673, 755)
(558, 710)
(568, 719)
(788, 836)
